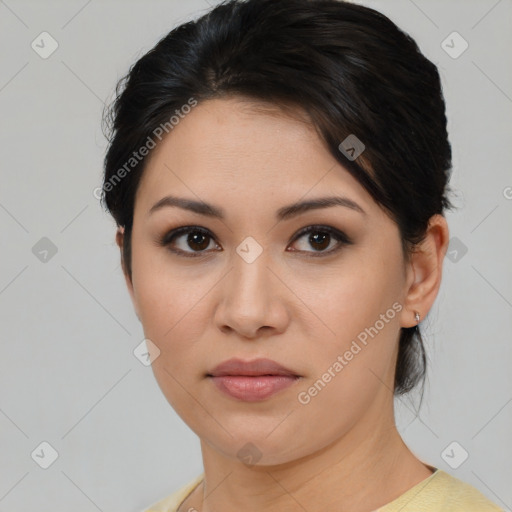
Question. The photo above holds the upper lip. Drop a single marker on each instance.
(260, 366)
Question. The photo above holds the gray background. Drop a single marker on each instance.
(68, 375)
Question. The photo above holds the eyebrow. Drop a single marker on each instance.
(284, 213)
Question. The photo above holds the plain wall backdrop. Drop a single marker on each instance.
(68, 374)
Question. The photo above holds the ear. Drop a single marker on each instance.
(128, 280)
(424, 271)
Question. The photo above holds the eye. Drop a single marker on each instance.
(322, 238)
(193, 241)
(183, 239)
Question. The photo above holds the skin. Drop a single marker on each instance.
(341, 451)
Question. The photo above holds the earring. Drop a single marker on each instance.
(417, 317)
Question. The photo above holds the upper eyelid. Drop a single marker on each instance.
(186, 229)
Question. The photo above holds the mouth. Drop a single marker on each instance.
(252, 381)
(255, 368)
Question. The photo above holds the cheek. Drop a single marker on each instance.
(173, 317)
(351, 371)
(169, 301)
(359, 306)
(173, 313)
(355, 295)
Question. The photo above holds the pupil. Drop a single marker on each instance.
(195, 238)
(320, 239)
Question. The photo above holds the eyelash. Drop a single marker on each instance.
(339, 236)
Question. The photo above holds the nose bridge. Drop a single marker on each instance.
(250, 280)
(250, 298)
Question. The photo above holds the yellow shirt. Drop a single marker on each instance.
(440, 492)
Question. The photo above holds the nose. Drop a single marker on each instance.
(252, 299)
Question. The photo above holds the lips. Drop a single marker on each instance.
(251, 368)
(252, 381)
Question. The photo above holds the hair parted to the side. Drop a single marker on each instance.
(347, 67)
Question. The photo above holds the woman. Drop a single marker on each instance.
(278, 173)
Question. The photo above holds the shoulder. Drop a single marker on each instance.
(439, 493)
(171, 503)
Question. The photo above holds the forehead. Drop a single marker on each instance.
(229, 146)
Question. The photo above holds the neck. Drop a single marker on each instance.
(361, 471)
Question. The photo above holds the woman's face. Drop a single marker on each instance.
(248, 285)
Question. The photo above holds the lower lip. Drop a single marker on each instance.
(253, 389)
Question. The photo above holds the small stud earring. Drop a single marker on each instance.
(417, 317)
